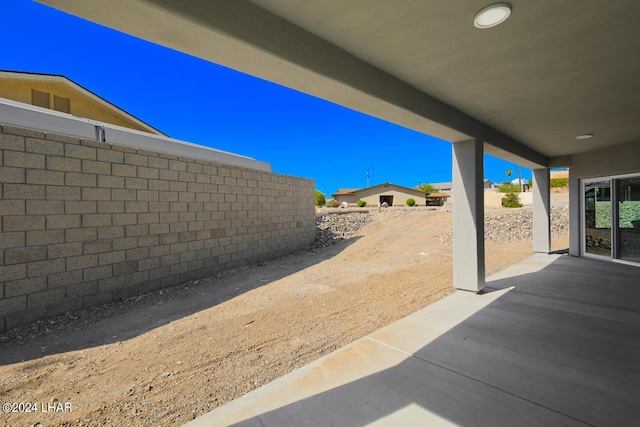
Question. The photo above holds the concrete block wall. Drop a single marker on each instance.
(84, 222)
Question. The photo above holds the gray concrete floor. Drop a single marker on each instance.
(554, 340)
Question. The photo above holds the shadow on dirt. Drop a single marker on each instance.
(131, 317)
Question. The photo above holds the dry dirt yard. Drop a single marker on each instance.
(167, 357)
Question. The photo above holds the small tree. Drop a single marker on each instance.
(361, 203)
(321, 199)
(511, 200)
(508, 187)
(411, 202)
(427, 188)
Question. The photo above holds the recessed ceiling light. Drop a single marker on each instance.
(492, 15)
(585, 136)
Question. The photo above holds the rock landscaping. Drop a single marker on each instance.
(330, 228)
(517, 224)
(505, 226)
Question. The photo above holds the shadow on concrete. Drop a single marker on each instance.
(561, 348)
(126, 319)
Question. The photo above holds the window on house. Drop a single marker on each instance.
(40, 99)
(61, 104)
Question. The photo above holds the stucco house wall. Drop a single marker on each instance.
(84, 222)
(492, 198)
(17, 86)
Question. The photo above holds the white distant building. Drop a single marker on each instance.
(521, 181)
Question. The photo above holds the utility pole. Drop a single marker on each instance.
(520, 181)
(367, 177)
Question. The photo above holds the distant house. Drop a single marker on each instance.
(443, 186)
(488, 184)
(521, 181)
(59, 93)
(447, 187)
(392, 194)
(436, 199)
(344, 193)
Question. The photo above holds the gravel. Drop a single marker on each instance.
(331, 228)
(508, 225)
(517, 224)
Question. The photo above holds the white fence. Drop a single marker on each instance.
(42, 119)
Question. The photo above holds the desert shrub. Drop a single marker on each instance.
(559, 182)
(508, 187)
(411, 202)
(361, 203)
(332, 204)
(511, 200)
(321, 199)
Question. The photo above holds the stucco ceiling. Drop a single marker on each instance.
(552, 71)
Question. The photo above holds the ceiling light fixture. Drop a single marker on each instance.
(492, 15)
(585, 136)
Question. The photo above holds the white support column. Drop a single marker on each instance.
(468, 216)
(541, 211)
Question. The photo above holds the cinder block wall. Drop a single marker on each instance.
(84, 223)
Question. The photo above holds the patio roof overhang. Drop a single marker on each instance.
(527, 88)
(522, 90)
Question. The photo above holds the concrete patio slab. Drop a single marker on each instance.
(514, 355)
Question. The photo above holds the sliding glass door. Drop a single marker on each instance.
(611, 218)
(597, 218)
(628, 219)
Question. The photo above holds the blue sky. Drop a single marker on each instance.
(200, 102)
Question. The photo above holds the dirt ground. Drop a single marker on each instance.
(167, 357)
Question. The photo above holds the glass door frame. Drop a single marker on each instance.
(583, 217)
(615, 198)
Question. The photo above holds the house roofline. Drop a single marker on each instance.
(338, 193)
(65, 79)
